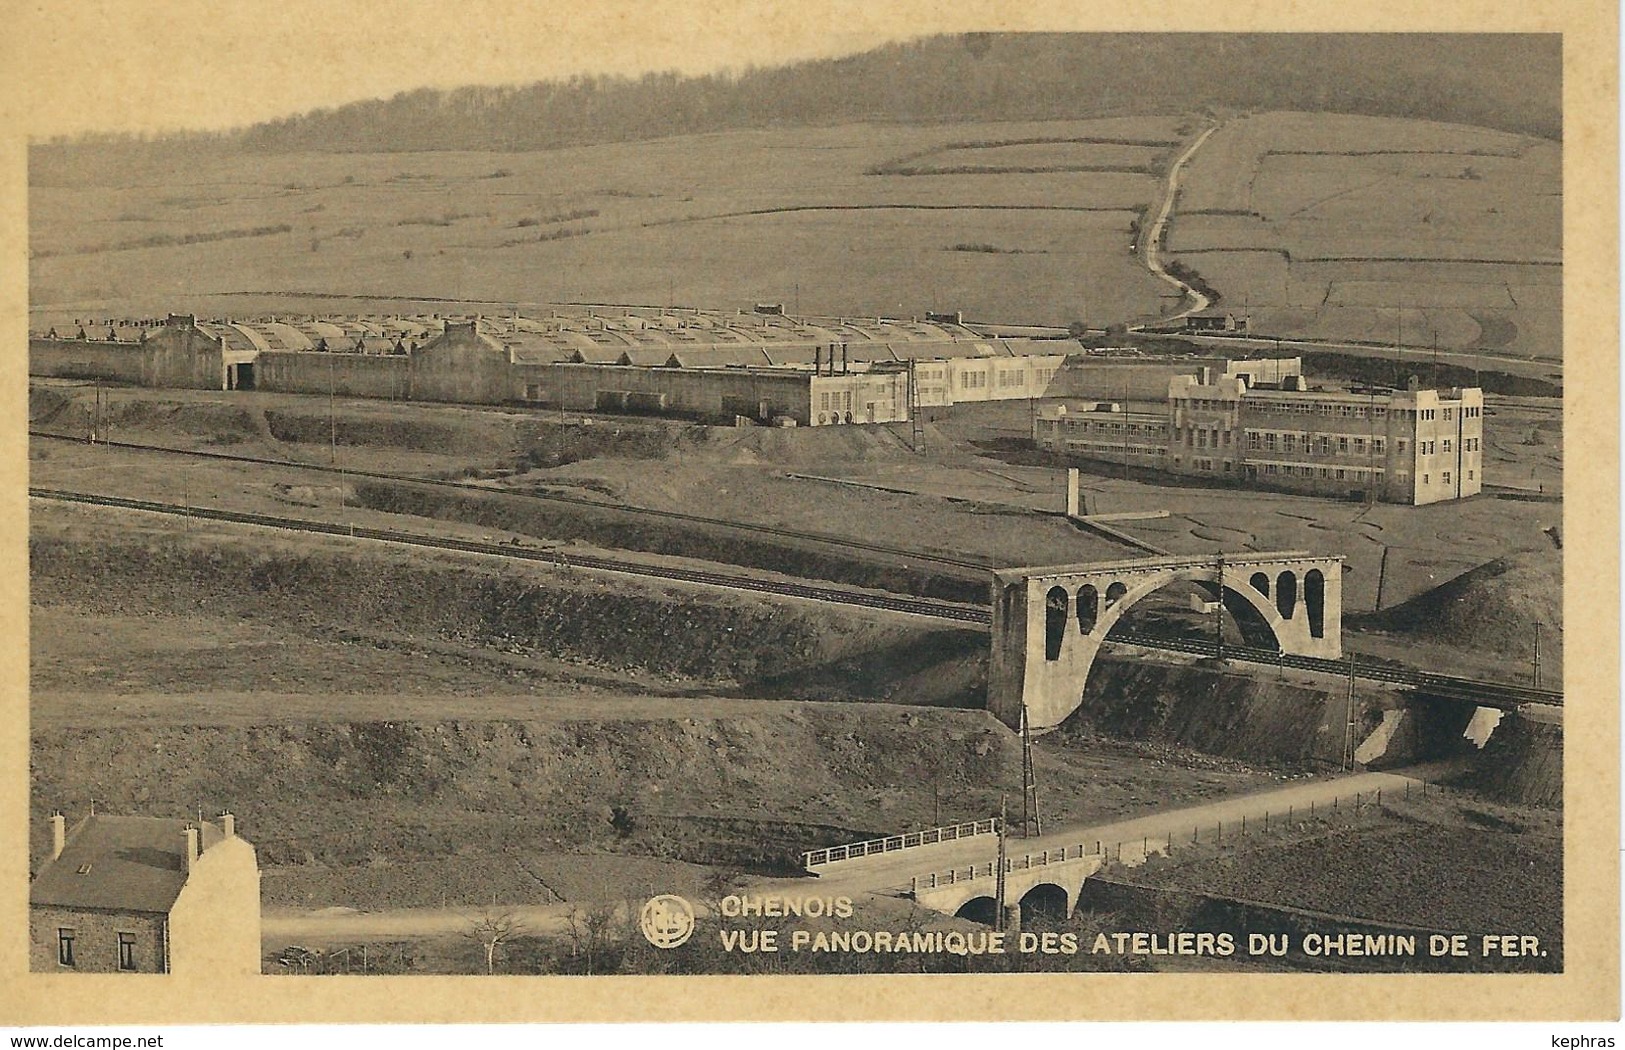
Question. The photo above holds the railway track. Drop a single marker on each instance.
(1489, 694)
(837, 595)
(1486, 694)
(643, 512)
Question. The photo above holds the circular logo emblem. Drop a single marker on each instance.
(667, 920)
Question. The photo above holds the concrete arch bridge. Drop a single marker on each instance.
(1049, 622)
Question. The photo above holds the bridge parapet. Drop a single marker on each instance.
(1064, 868)
(822, 858)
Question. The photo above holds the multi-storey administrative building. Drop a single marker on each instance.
(1258, 422)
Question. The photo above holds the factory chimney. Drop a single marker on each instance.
(818, 360)
(59, 834)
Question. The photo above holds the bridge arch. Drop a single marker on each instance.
(1286, 593)
(1287, 601)
(1232, 589)
(1314, 602)
(1088, 608)
(984, 910)
(1045, 902)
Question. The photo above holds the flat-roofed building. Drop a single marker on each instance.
(1259, 423)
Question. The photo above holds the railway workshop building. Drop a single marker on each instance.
(765, 367)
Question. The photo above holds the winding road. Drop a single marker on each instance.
(1150, 239)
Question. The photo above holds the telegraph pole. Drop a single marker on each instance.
(332, 416)
(1537, 654)
(1347, 758)
(998, 875)
(1030, 825)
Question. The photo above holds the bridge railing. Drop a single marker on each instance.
(971, 872)
(892, 843)
(1356, 805)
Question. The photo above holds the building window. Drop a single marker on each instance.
(1359, 446)
(1252, 440)
(1269, 441)
(64, 947)
(1447, 444)
(126, 951)
(1379, 445)
(1469, 475)
(1445, 477)
(1449, 414)
(1269, 468)
(1325, 445)
(1402, 446)
(1342, 446)
(1341, 474)
(1427, 479)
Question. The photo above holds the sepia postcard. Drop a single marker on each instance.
(810, 512)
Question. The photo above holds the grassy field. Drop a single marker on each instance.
(1448, 863)
(715, 220)
(1371, 229)
(980, 502)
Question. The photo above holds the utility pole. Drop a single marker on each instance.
(1537, 654)
(332, 415)
(1347, 758)
(1030, 826)
(998, 874)
(916, 427)
(1125, 430)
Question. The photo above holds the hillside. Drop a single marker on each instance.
(985, 77)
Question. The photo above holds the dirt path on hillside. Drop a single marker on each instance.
(1151, 239)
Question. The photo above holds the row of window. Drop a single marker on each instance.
(1428, 448)
(1332, 409)
(1307, 470)
(842, 400)
(66, 956)
(1074, 423)
(1318, 444)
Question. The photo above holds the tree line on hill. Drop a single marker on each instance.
(971, 77)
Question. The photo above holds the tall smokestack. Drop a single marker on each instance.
(190, 858)
(818, 360)
(59, 834)
(843, 359)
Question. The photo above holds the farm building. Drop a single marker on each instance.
(1215, 321)
(1259, 423)
(764, 366)
(146, 895)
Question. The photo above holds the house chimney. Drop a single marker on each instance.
(190, 858)
(59, 834)
(228, 824)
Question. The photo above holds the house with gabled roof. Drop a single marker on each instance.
(123, 894)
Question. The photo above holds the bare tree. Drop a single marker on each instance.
(591, 931)
(492, 929)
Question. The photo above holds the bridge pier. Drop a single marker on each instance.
(1050, 622)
